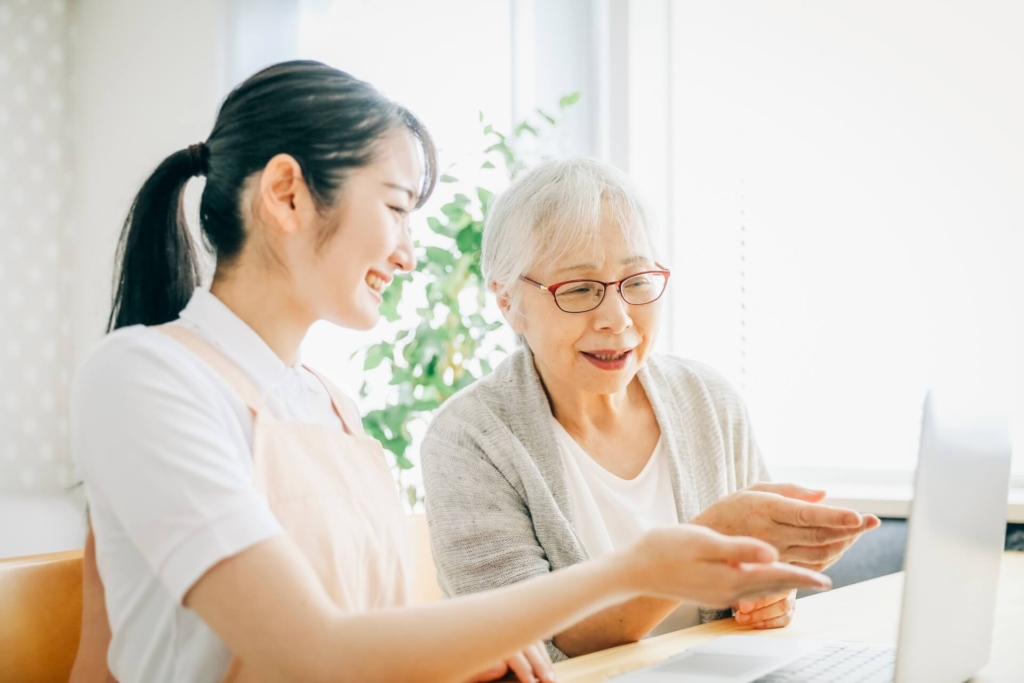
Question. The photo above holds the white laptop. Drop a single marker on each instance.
(954, 547)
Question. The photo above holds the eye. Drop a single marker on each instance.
(399, 210)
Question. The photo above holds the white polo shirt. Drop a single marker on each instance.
(164, 447)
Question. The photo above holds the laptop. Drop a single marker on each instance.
(955, 545)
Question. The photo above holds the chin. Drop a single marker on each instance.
(356, 318)
(365, 322)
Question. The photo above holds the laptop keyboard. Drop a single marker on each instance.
(839, 663)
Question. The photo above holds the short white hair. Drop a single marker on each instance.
(554, 209)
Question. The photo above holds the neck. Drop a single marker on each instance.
(582, 411)
(265, 305)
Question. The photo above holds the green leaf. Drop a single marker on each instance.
(481, 116)
(445, 178)
(441, 256)
(484, 196)
(504, 149)
(392, 295)
(468, 239)
(547, 117)
(569, 100)
(525, 127)
(487, 164)
(426, 405)
(453, 211)
(488, 129)
(376, 355)
(399, 458)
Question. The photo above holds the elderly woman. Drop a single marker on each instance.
(582, 439)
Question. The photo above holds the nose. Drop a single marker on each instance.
(613, 313)
(403, 257)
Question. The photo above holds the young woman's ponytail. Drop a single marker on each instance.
(157, 263)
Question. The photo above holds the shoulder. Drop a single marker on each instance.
(136, 360)
(472, 417)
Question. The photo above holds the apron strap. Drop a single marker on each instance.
(342, 405)
(221, 364)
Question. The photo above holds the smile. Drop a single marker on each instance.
(376, 283)
(609, 359)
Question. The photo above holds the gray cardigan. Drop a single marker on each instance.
(497, 501)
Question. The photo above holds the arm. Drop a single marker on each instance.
(483, 537)
(294, 632)
(91, 661)
(614, 626)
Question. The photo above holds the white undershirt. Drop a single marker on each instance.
(609, 512)
(163, 445)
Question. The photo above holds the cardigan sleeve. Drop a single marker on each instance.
(481, 530)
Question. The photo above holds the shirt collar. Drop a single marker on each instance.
(235, 339)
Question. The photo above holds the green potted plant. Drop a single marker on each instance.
(449, 339)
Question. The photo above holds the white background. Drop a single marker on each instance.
(848, 214)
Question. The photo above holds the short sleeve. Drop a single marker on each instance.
(159, 448)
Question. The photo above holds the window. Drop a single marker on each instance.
(848, 214)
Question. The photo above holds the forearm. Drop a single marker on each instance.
(617, 625)
(295, 632)
(453, 640)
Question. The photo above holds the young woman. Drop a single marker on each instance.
(244, 524)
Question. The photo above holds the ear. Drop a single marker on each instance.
(505, 304)
(283, 194)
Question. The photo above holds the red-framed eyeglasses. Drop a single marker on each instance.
(581, 296)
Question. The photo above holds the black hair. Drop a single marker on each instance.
(327, 120)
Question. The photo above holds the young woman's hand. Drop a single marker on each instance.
(790, 518)
(532, 665)
(693, 563)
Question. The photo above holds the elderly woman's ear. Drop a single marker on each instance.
(505, 304)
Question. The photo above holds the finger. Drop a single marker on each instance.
(754, 581)
(543, 668)
(777, 622)
(797, 513)
(790, 491)
(753, 605)
(789, 536)
(522, 668)
(738, 549)
(871, 522)
(494, 673)
(818, 554)
(772, 611)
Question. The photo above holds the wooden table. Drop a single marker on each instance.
(866, 612)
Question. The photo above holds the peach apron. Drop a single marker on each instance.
(331, 490)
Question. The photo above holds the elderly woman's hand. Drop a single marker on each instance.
(790, 518)
(532, 665)
(773, 611)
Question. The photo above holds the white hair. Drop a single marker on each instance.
(554, 209)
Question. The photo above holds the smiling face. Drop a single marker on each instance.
(361, 242)
(599, 351)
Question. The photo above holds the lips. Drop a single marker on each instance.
(609, 359)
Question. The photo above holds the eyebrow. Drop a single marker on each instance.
(412, 195)
(632, 260)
